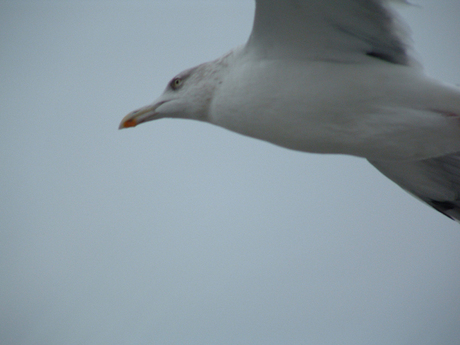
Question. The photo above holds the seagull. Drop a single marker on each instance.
(330, 76)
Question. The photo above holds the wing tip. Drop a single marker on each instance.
(447, 208)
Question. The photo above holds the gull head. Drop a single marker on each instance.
(187, 96)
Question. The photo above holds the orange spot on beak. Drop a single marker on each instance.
(130, 123)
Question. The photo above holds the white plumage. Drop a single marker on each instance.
(330, 76)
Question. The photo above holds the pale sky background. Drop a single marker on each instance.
(179, 232)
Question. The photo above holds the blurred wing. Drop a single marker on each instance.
(335, 30)
(435, 181)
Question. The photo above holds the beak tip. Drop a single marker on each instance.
(127, 123)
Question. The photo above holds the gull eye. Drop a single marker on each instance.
(176, 83)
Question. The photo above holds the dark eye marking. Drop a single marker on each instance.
(176, 83)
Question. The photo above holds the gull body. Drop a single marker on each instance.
(372, 110)
(330, 77)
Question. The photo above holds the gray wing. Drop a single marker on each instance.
(335, 30)
(435, 181)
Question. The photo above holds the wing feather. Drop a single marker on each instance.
(435, 181)
(337, 30)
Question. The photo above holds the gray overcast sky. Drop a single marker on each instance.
(179, 232)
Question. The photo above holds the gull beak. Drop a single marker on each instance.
(141, 115)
